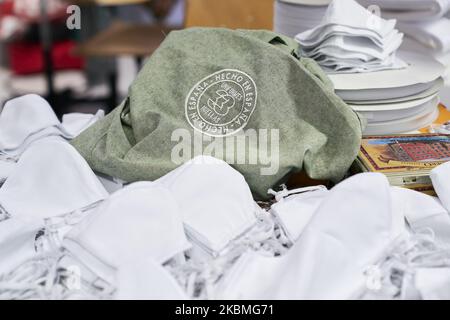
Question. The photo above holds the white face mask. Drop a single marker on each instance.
(51, 179)
(146, 280)
(354, 17)
(75, 123)
(350, 230)
(441, 183)
(217, 204)
(294, 212)
(139, 221)
(22, 117)
(17, 243)
(30, 118)
(6, 167)
(424, 212)
(433, 283)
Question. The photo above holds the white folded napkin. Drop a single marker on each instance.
(29, 118)
(435, 34)
(411, 10)
(352, 39)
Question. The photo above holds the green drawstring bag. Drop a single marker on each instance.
(238, 95)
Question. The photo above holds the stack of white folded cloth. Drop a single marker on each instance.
(395, 101)
(352, 39)
(411, 10)
(426, 24)
(28, 119)
(294, 16)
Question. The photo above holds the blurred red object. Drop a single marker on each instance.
(30, 10)
(27, 58)
(6, 8)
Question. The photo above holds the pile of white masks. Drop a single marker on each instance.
(30, 118)
(188, 237)
(197, 233)
(352, 39)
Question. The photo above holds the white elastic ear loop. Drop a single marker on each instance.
(280, 195)
(4, 214)
(53, 225)
(43, 278)
(408, 253)
(199, 279)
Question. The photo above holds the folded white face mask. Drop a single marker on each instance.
(6, 167)
(356, 47)
(433, 34)
(341, 65)
(295, 211)
(424, 212)
(17, 243)
(217, 204)
(411, 10)
(30, 118)
(350, 230)
(350, 14)
(146, 280)
(139, 221)
(22, 117)
(308, 42)
(440, 177)
(75, 123)
(352, 39)
(51, 179)
(433, 283)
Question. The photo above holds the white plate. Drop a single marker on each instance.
(314, 3)
(419, 76)
(393, 106)
(376, 116)
(435, 88)
(402, 126)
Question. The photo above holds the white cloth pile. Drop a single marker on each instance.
(411, 10)
(29, 118)
(294, 16)
(426, 24)
(395, 101)
(197, 233)
(352, 39)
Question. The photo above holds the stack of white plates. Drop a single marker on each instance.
(394, 101)
(295, 16)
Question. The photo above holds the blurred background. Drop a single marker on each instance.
(82, 55)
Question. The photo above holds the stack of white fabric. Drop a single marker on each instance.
(395, 101)
(352, 39)
(294, 16)
(30, 118)
(184, 236)
(426, 24)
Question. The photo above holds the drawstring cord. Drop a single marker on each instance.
(393, 273)
(284, 193)
(4, 215)
(50, 239)
(41, 277)
(199, 279)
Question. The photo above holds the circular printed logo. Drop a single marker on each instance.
(222, 103)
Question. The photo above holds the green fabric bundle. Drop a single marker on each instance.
(224, 84)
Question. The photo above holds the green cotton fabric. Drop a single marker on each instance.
(278, 91)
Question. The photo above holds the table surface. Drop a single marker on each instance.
(108, 2)
(124, 39)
